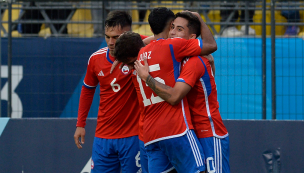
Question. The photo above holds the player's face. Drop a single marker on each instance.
(130, 62)
(179, 28)
(112, 34)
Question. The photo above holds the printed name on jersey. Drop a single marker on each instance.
(100, 73)
(125, 70)
(145, 55)
(185, 60)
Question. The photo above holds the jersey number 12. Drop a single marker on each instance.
(153, 99)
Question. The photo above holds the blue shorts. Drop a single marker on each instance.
(185, 153)
(143, 157)
(217, 154)
(167, 166)
(115, 155)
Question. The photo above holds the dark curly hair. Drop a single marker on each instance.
(118, 18)
(194, 23)
(159, 18)
(127, 46)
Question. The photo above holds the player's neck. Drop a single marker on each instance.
(161, 35)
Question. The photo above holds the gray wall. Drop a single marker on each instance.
(47, 145)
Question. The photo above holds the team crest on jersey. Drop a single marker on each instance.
(134, 72)
(125, 70)
(92, 164)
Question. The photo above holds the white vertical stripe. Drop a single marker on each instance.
(199, 154)
(192, 149)
(207, 106)
(198, 151)
(218, 155)
(184, 114)
(215, 158)
(220, 151)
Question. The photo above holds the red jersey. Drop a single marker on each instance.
(141, 107)
(118, 113)
(202, 98)
(160, 119)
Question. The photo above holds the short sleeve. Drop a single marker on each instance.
(143, 37)
(192, 70)
(181, 48)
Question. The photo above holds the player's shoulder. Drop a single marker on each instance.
(204, 60)
(98, 54)
(175, 40)
(169, 40)
(195, 61)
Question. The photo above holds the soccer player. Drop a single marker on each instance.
(197, 81)
(115, 144)
(167, 130)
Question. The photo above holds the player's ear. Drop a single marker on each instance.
(192, 36)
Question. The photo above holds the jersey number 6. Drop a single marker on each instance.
(115, 86)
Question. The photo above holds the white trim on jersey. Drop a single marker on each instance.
(195, 149)
(166, 171)
(173, 136)
(100, 51)
(89, 85)
(166, 137)
(208, 110)
(184, 114)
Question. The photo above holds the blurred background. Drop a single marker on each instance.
(45, 47)
(259, 62)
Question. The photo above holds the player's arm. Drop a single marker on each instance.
(209, 43)
(148, 40)
(85, 102)
(211, 61)
(171, 95)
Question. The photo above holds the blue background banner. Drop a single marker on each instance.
(48, 75)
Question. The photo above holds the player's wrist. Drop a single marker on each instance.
(146, 77)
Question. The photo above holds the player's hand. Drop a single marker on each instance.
(195, 13)
(115, 63)
(210, 58)
(79, 133)
(142, 70)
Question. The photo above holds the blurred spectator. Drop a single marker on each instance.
(231, 30)
(35, 14)
(292, 16)
(141, 13)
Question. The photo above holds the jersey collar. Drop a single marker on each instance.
(109, 57)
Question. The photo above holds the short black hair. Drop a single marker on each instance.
(118, 18)
(194, 23)
(159, 18)
(127, 46)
